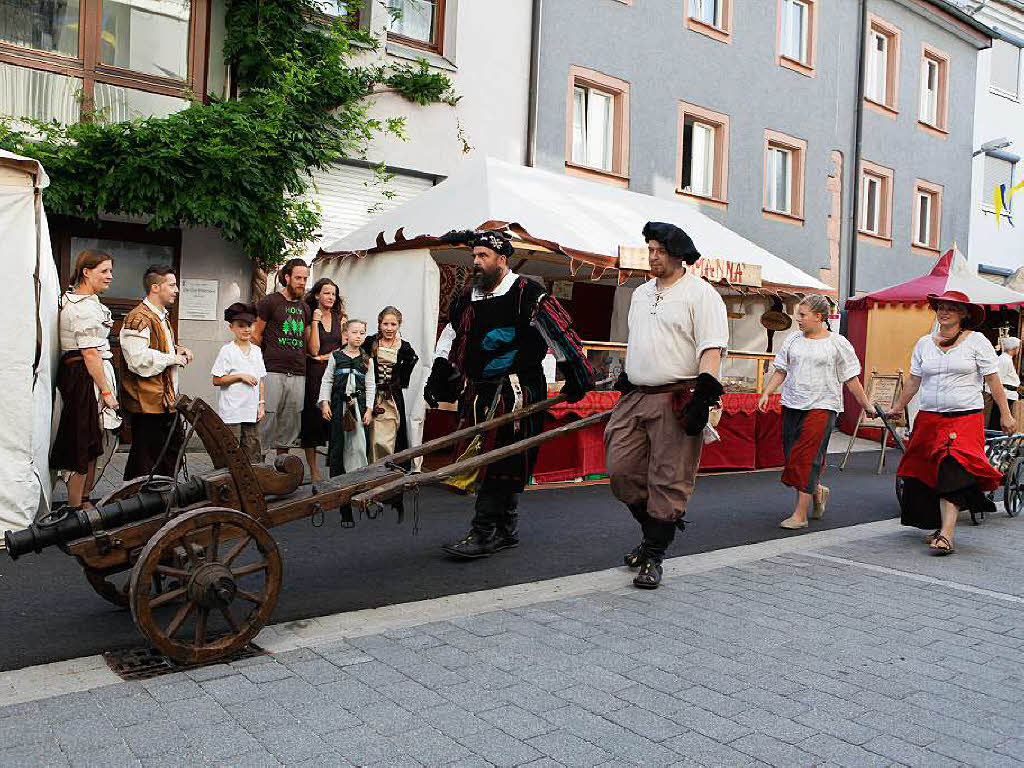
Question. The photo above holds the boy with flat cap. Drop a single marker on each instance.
(678, 335)
(239, 373)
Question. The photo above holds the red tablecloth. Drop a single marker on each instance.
(750, 439)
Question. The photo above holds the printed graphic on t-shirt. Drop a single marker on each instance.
(293, 328)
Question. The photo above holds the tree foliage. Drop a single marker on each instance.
(241, 166)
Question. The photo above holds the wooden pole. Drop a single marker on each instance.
(366, 498)
(477, 429)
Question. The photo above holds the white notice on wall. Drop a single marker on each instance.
(198, 300)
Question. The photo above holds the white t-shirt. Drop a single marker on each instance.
(1008, 375)
(239, 402)
(951, 380)
(815, 371)
(669, 329)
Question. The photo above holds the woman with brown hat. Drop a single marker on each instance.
(944, 468)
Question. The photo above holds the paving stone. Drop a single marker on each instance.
(531, 698)
(773, 751)
(180, 689)
(569, 749)
(131, 710)
(453, 720)
(193, 713)
(220, 742)
(473, 697)
(69, 706)
(593, 699)
(516, 722)
(498, 748)
(413, 696)
(906, 753)
(86, 734)
(265, 673)
(324, 716)
(153, 739)
(24, 729)
(39, 755)
(714, 701)
(847, 730)
(349, 693)
(842, 753)
(292, 744)
(389, 718)
(361, 746)
(645, 723)
(709, 724)
(701, 749)
(295, 656)
(232, 690)
(968, 754)
(114, 756)
(317, 671)
(431, 747)
(211, 672)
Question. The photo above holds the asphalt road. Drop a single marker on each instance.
(48, 612)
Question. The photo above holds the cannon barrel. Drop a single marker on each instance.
(151, 501)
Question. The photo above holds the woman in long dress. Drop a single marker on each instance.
(85, 376)
(324, 338)
(944, 468)
(394, 361)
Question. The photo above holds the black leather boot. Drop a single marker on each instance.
(658, 535)
(473, 545)
(635, 557)
(507, 534)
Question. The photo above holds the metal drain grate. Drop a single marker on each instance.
(144, 662)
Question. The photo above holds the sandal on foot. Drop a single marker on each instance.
(649, 576)
(792, 524)
(941, 545)
(634, 558)
(931, 537)
(820, 501)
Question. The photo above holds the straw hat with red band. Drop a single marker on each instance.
(975, 312)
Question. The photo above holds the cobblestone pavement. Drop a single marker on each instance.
(861, 655)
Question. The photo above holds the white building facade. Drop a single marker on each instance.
(996, 242)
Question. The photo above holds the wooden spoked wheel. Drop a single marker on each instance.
(220, 593)
(114, 587)
(1013, 492)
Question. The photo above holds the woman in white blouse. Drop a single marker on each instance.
(85, 376)
(1007, 361)
(944, 468)
(812, 366)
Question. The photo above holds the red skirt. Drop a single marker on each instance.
(936, 437)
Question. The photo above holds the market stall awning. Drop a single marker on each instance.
(951, 272)
(585, 221)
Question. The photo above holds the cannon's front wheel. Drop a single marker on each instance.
(222, 594)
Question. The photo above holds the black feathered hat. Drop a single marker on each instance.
(676, 241)
(239, 311)
(497, 241)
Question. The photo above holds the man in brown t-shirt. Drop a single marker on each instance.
(282, 332)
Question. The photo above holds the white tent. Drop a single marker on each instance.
(28, 354)
(580, 218)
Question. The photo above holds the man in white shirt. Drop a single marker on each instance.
(149, 381)
(678, 335)
(1009, 347)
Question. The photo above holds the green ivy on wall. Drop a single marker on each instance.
(241, 166)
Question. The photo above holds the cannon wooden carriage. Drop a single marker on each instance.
(194, 560)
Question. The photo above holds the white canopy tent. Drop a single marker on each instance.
(584, 220)
(29, 353)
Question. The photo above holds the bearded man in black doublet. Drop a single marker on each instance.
(489, 359)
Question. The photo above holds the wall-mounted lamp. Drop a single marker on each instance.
(993, 145)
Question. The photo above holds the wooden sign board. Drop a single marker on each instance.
(634, 257)
(884, 388)
(733, 272)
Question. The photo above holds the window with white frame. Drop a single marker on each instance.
(698, 158)
(796, 30)
(1005, 70)
(923, 230)
(929, 91)
(778, 179)
(998, 173)
(878, 67)
(707, 11)
(872, 192)
(593, 122)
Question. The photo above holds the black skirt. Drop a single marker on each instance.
(79, 436)
(313, 430)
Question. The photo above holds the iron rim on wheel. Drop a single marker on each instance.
(1013, 492)
(221, 596)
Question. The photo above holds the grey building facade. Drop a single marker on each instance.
(719, 95)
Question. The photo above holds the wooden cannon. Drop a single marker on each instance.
(194, 560)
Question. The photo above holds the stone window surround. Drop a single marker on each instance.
(719, 197)
(891, 108)
(886, 176)
(812, 41)
(942, 109)
(619, 175)
(935, 192)
(798, 148)
(722, 34)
